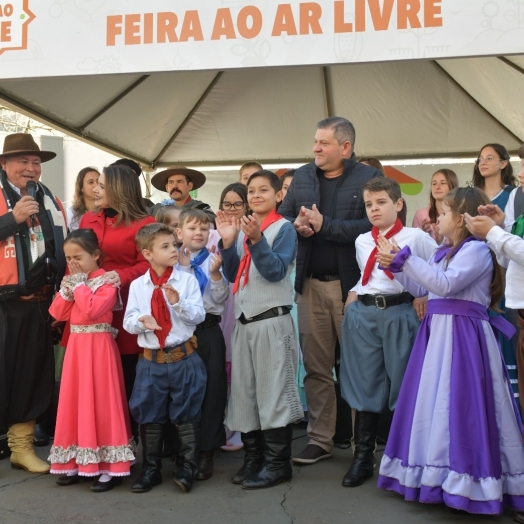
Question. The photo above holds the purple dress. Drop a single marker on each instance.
(456, 436)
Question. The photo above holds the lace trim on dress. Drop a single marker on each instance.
(85, 456)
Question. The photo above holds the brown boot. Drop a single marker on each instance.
(20, 440)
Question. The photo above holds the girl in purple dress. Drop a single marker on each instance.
(456, 436)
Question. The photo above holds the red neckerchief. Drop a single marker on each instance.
(159, 308)
(188, 200)
(246, 259)
(370, 264)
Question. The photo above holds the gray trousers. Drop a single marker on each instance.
(264, 393)
(374, 352)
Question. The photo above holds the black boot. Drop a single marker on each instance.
(366, 429)
(40, 436)
(152, 436)
(205, 465)
(187, 462)
(254, 455)
(277, 467)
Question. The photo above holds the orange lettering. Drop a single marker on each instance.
(166, 27)
(340, 25)
(310, 14)
(360, 15)
(223, 25)
(284, 21)
(113, 29)
(431, 12)
(407, 11)
(5, 31)
(256, 21)
(191, 27)
(380, 17)
(148, 28)
(132, 25)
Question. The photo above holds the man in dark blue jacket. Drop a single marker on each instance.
(325, 204)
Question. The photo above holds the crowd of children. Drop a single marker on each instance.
(456, 435)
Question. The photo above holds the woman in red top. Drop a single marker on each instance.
(121, 214)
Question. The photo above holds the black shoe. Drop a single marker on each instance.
(152, 436)
(519, 517)
(253, 458)
(187, 461)
(40, 436)
(277, 467)
(205, 465)
(362, 466)
(100, 487)
(68, 480)
(311, 454)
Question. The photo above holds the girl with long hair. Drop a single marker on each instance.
(84, 198)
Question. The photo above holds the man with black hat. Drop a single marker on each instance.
(32, 230)
(178, 181)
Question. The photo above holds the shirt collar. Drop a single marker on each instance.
(17, 189)
(174, 276)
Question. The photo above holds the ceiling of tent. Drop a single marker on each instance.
(400, 109)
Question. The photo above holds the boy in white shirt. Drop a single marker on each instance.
(379, 326)
(194, 258)
(164, 307)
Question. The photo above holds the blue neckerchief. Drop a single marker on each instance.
(199, 274)
(168, 202)
(443, 251)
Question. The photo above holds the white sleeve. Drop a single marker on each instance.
(510, 211)
(506, 246)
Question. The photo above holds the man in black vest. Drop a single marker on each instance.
(325, 204)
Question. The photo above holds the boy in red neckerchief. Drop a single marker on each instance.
(379, 327)
(164, 307)
(259, 253)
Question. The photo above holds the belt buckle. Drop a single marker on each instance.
(169, 358)
(378, 304)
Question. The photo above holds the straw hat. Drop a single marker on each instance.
(24, 144)
(160, 179)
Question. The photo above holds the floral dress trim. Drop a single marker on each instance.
(86, 456)
(95, 328)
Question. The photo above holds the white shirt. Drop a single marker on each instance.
(185, 314)
(420, 243)
(72, 221)
(509, 210)
(510, 253)
(216, 293)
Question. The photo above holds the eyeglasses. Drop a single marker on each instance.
(237, 205)
(487, 160)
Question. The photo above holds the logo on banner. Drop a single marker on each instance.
(14, 19)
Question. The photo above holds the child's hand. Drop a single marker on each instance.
(184, 256)
(171, 294)
(250, 225)
(385, 246)
(74, 267)
(227, 227)
(149, 323)
(214, 267)
(479, 226)
(420, 305)
(494, 212)
(385, 259)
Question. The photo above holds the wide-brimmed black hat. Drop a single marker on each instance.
(196, 177)
(24, 144)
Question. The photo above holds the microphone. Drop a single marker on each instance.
(31, 188)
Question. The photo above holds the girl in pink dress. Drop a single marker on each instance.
(93, 436)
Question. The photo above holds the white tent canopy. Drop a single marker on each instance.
(410, 108)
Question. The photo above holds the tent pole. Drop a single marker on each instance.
(194, 109)
(518, 139)
(327, 91)
(113, 102)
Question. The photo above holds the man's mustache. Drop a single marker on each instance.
(175, 190)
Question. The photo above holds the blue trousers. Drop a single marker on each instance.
(168, 392)
(374, 352)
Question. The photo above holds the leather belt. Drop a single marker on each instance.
(169, 355)
(210, 321)
(38, 296)
(325, 278)
(270, 313)
(385, 301)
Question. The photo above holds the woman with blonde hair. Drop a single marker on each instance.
(84, 198)
(121, 213)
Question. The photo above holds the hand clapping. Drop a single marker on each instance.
(250, 225)
(227, 227)
(171, 293)
(386, 251)
(149, 323)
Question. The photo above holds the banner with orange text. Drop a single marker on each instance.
(80, 37)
